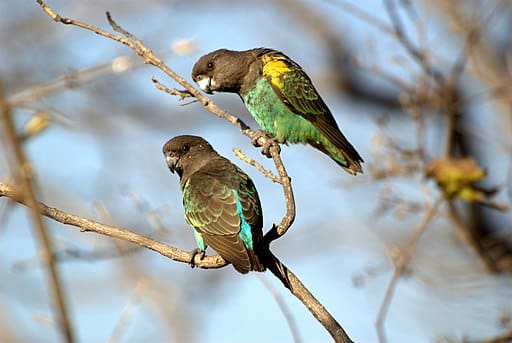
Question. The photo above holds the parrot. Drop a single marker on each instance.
(220, 202)
(280, 96)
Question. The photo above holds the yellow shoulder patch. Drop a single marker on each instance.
(274, 68)
(187, 184)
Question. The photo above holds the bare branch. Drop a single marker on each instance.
(24, 175)
(287, 277)
(287, 313)
(256, 165)
(149, 57)
(465, 235)
(419, 55)
(90, 225)
(126, 315)
(208, 262)
(400, 264)
(172, 91)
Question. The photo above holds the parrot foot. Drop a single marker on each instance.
(193, 255)
(270, 141)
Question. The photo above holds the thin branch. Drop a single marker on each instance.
(71, 80)
(25, 177)
(503, 338)
(90, 225)
(286, 182)
(208, 262)
(172, 91)
(288, 278)
(465, 235)
(400, 264)
(285, 310)
(256, 165)
(420, 56)
(126, 315)
(363, 15)
(292, 282)
(149, 57)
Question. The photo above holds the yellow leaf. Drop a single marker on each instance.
(36, 124)
(457, 176)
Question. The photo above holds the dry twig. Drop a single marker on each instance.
(400, 264)
(25, 177)
(256, 165)
(287, 313)
(294, 284)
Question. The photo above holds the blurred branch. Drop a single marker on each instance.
(347, 79)
(161, 300)
(364, 15)
(90, 225)
(295, 286)
(400, 263)
(126, 315)
(150, 58)
(72, 79)
(287, 313)
(457, 143)
(420, 56)
(466, 234)
(504, 338)
(208, 262)
(25, 177)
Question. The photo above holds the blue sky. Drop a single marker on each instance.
(117, 125)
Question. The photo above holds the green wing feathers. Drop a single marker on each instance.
(212, 205)
(294, 87)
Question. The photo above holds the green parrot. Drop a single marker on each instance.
(220, 201)
(281, 98)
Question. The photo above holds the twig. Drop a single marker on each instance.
(295, 286)
(286, 182)
(464, 233)
(363, 15)
(149, 57)
(420, 56)
(25, 177)
(208, 262)
(70, 80)
(172, 91)
(256, 165)
(285, 310)
(400, 264)
(90, 225)
(71, 255)
(503, 338)
(127, 314)
(300, 291)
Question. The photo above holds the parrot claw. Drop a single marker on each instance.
(270, 141)
(193, 255)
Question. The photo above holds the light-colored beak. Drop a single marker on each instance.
(172, 161)
(204, 82)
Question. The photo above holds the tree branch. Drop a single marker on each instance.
(400, 264)
(85, 225)
(208, 262)
(25, 177)
(290, 280)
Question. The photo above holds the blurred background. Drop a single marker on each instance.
(408, 83)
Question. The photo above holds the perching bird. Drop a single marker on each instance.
(280, 96)
(220, 201)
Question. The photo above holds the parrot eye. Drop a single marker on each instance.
(209, 65)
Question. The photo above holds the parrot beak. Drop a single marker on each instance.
(204, 82)
(172, 162)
